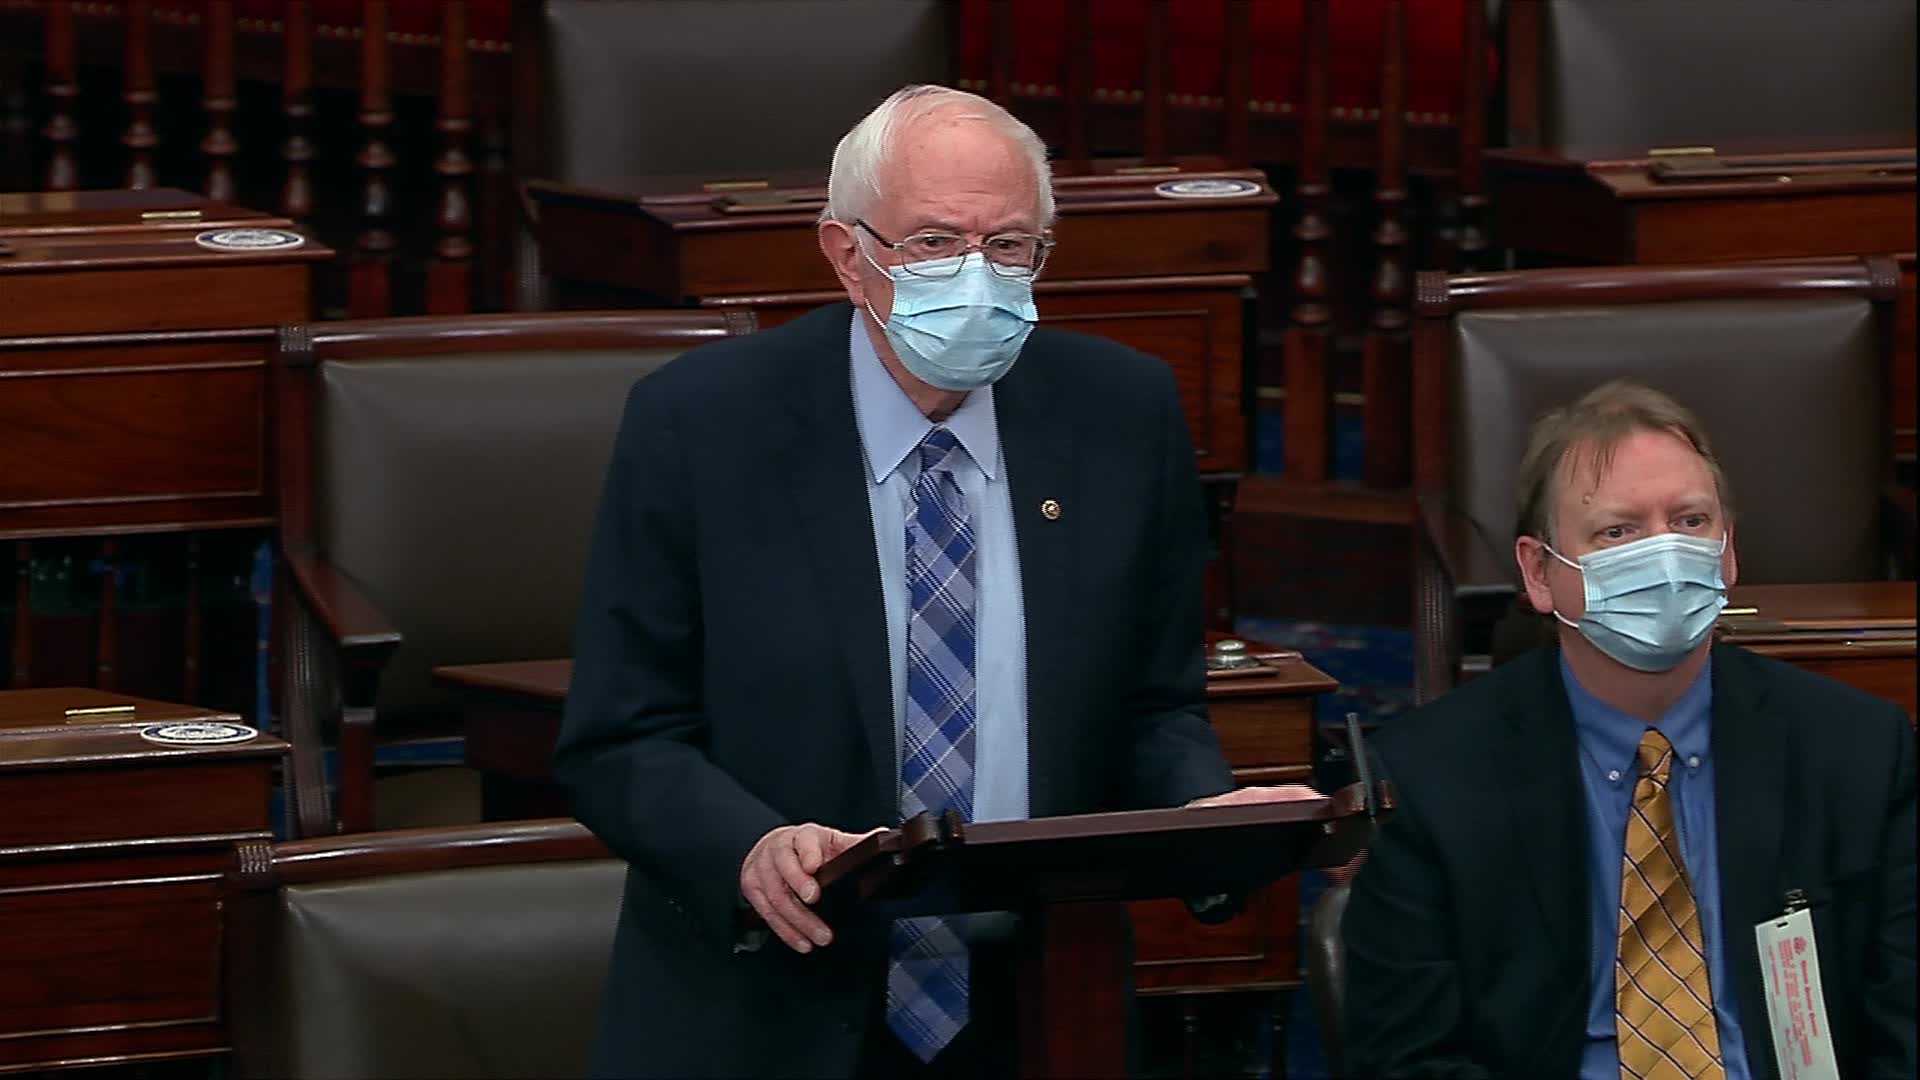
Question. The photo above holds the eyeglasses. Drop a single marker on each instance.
(1010, 255)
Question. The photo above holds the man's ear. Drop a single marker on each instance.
(842, 250)
(1729, 562)
(1532, 556)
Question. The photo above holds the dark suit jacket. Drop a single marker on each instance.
(1467, 931)
(730, 669)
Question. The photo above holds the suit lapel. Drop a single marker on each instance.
(1751, 748)
(1041, 469)
(1545, 812)
(826, 479)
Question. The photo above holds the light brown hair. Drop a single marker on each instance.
(1591, 428)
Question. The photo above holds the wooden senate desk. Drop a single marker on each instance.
(111, 855)
(1264, 720)
(134, 399)
(133, 362)
(1861, 634)
(1840, 196)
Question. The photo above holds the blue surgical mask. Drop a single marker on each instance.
(961, 332)
(1650, 602)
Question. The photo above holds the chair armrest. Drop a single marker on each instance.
(1460, 586)
(356, 626)
(1466, 557)
(362, 641)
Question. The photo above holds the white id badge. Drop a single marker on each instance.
(1796, 1009)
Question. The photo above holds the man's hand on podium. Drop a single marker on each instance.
(777, 880)
(1264, 794)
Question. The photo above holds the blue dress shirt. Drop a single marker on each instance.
(890, 428)
(1608, 741)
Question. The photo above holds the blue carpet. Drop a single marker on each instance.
(1374, 666)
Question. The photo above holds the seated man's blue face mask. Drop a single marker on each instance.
(961, 332)
(1651, 602)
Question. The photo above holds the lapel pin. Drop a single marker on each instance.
(1050, 509)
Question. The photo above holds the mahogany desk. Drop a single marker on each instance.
(1265, 725)
(133, 363)
(111, 855)
(134, 399)
(1861, 634)
(1850, 196)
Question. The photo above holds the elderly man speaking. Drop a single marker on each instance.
(911, 553)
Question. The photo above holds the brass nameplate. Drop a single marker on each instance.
(170, 215)
(716, 187)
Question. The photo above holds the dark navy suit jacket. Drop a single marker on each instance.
(1468, 931)
(731, 672)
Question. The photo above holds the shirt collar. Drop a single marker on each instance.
(1613, 737)
(890, 425)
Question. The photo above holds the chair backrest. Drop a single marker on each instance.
(1327, 972)
(479, 951)
(1637, 74)
(703, 87)
(1784, 363)
(451, 469)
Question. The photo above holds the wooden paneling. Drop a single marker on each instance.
(107, 301)
(103, 435)
(111, 855)
(92, 806)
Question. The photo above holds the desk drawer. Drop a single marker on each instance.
(145, 299)
(1173, 951)
(102, 805)
(1266, 740)
(104, 435)
(110, 968)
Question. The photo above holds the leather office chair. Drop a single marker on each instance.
(473, 952)
(1327, 972)
(438, 480)
(1607, 74)
(1785, 363)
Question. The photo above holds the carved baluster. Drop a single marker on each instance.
(448, 290)
(296, 104)
(109, 628)
(1237, 107)
(16, 142)
(139, 95)
(1310, 329)
(1154, 110)
(1470, 236)
(1079, 83)
(370, 289)
(496, 211)
(1385, 374)
(190, 654)
(219, 101)
(63, 170)
(1000, 53)
(22, 615)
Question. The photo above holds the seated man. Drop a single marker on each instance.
(1587, 836)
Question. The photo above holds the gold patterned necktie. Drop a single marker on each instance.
(1662, 995)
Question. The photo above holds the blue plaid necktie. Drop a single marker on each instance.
(927, 975)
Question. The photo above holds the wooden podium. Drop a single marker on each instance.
(1069, 878)
(111, 855)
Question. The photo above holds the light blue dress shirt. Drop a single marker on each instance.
(1609, 741)
(890, 428)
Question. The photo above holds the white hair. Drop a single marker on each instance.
(854, 181)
